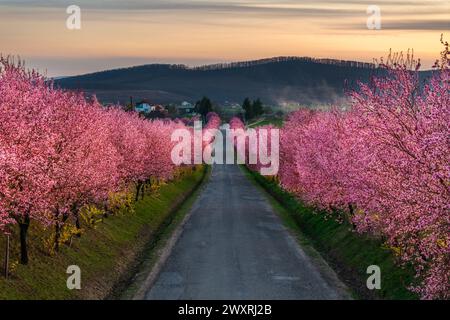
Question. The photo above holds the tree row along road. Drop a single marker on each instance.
(234, 246)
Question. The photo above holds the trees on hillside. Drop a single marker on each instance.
(203, 107)
(252, 108)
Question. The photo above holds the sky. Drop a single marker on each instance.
(119, 33)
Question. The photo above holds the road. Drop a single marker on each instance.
(234, 246)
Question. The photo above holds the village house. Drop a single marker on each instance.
(144, 106)
(186, 108)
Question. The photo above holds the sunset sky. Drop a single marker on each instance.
(122, 33)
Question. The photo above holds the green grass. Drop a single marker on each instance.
(346, 251)
(105, 255)
(127, 290)
(276, 122)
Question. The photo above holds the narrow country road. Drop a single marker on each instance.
(234, 246)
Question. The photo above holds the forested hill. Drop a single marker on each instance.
(274, 80)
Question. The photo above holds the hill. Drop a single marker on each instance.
(275, 80)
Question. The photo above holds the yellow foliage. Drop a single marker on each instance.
(121, 203)
(182, 171)
(66, 234)
(442, 243)
(396, 250)
(13, 266)
(68, 231)
(91, 215)
(155, 185)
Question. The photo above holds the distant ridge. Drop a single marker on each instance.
(275, 80)
(251, 63)
(257, 62)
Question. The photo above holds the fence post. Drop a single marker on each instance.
(7, 257)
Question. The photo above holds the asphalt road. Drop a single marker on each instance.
(234, 246)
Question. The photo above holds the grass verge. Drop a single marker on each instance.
(154, 249)
(107, 256)
(348, 253)
(276, 122)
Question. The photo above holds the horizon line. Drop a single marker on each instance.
(240, 64)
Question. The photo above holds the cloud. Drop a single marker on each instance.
(220, 5)
(313, 11)
(412, 25)
(439, 25)
(210, 29)
(252, 8)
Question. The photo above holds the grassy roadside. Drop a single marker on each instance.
(347, 252)
(106, 255)
(127, 289)
(276, 122)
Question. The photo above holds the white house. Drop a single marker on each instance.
(144, 106)
(186, 108)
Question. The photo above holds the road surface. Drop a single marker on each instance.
(234, 246)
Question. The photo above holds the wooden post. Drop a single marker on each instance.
(7, 257)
